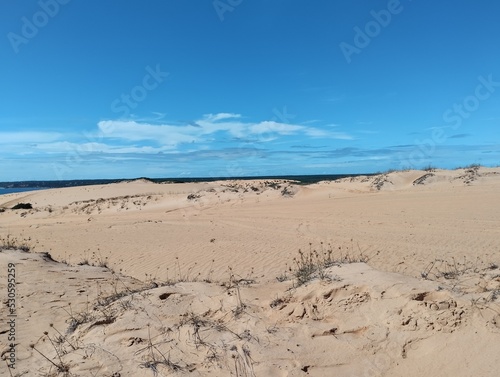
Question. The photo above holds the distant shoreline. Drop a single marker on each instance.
(14, 190)
(37, 185)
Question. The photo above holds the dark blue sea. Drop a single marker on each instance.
(13, 187)
(16, 189)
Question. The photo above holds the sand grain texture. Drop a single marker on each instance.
(180, 279)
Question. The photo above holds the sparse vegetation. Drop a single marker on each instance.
(103, 262)
(280, 302)
(217, 328)
(452, 269)
(193, 196)
(61, 367)
(212, 337)
(273, 184)
(287, 192)
(77, 319)
(23, 206)
(471, 173)
(283, 277)
(155, 357)
(313, 264)
(466, 276)
(470, 166)
(422, 179)
(119, 202)
(380, 181)
(233, 286)
(13, 243)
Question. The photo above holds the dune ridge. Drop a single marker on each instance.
(202, 278)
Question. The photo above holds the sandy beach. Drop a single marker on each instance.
(206, 279)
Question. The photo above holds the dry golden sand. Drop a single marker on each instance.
(426, 301)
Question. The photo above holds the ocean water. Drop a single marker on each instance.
(16, 189)
(41, 185)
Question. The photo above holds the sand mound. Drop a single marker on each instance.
(356, 321)
(204, 277)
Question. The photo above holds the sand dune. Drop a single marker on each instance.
(182, 278)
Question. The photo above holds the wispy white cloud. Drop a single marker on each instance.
(28, 137)
(134, 131)
(132, 136)
(90, 148)
(319, 133)
(221, 116)
(127, 137)
(210, 124)
(216, 140)
(275, 127)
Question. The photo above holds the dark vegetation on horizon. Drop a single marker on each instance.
(301, 179)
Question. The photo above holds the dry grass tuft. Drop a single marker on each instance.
(14, 243)
(313, 264)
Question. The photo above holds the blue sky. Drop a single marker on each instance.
(164, 88)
